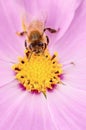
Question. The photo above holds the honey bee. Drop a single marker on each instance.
(36, 40)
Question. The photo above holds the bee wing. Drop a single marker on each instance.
(42, 16)
(30, 21)
(39, 21)
(26, 20)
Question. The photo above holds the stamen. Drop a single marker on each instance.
(39, 72)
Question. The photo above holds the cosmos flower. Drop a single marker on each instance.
(65, 106)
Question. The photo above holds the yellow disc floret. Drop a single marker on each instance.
(39, 72)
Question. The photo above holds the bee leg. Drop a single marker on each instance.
(28, 54)
(51, 30)
(26, 46)
(47, 40)
(24, 26)
(21, 33)
(45, 46)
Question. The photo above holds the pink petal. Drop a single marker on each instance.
(61, 110)
(6, 73)
(10, 43)
(22, 110)
(72, 48)
(10, 97)
(67, 106)
(76, 76)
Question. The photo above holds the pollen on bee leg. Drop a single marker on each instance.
(23, 24)
(38, 73)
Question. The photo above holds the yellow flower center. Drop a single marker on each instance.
(39, 72)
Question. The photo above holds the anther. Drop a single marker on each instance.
(54, 62)
(22, 62)
(46, 56)
(56, 72)
(53, 57)
(22, 76)
(17, 69)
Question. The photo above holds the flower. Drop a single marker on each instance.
(65, 107)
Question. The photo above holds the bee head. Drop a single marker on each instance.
(36, 47)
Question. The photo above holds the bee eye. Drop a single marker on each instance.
(40, 44)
